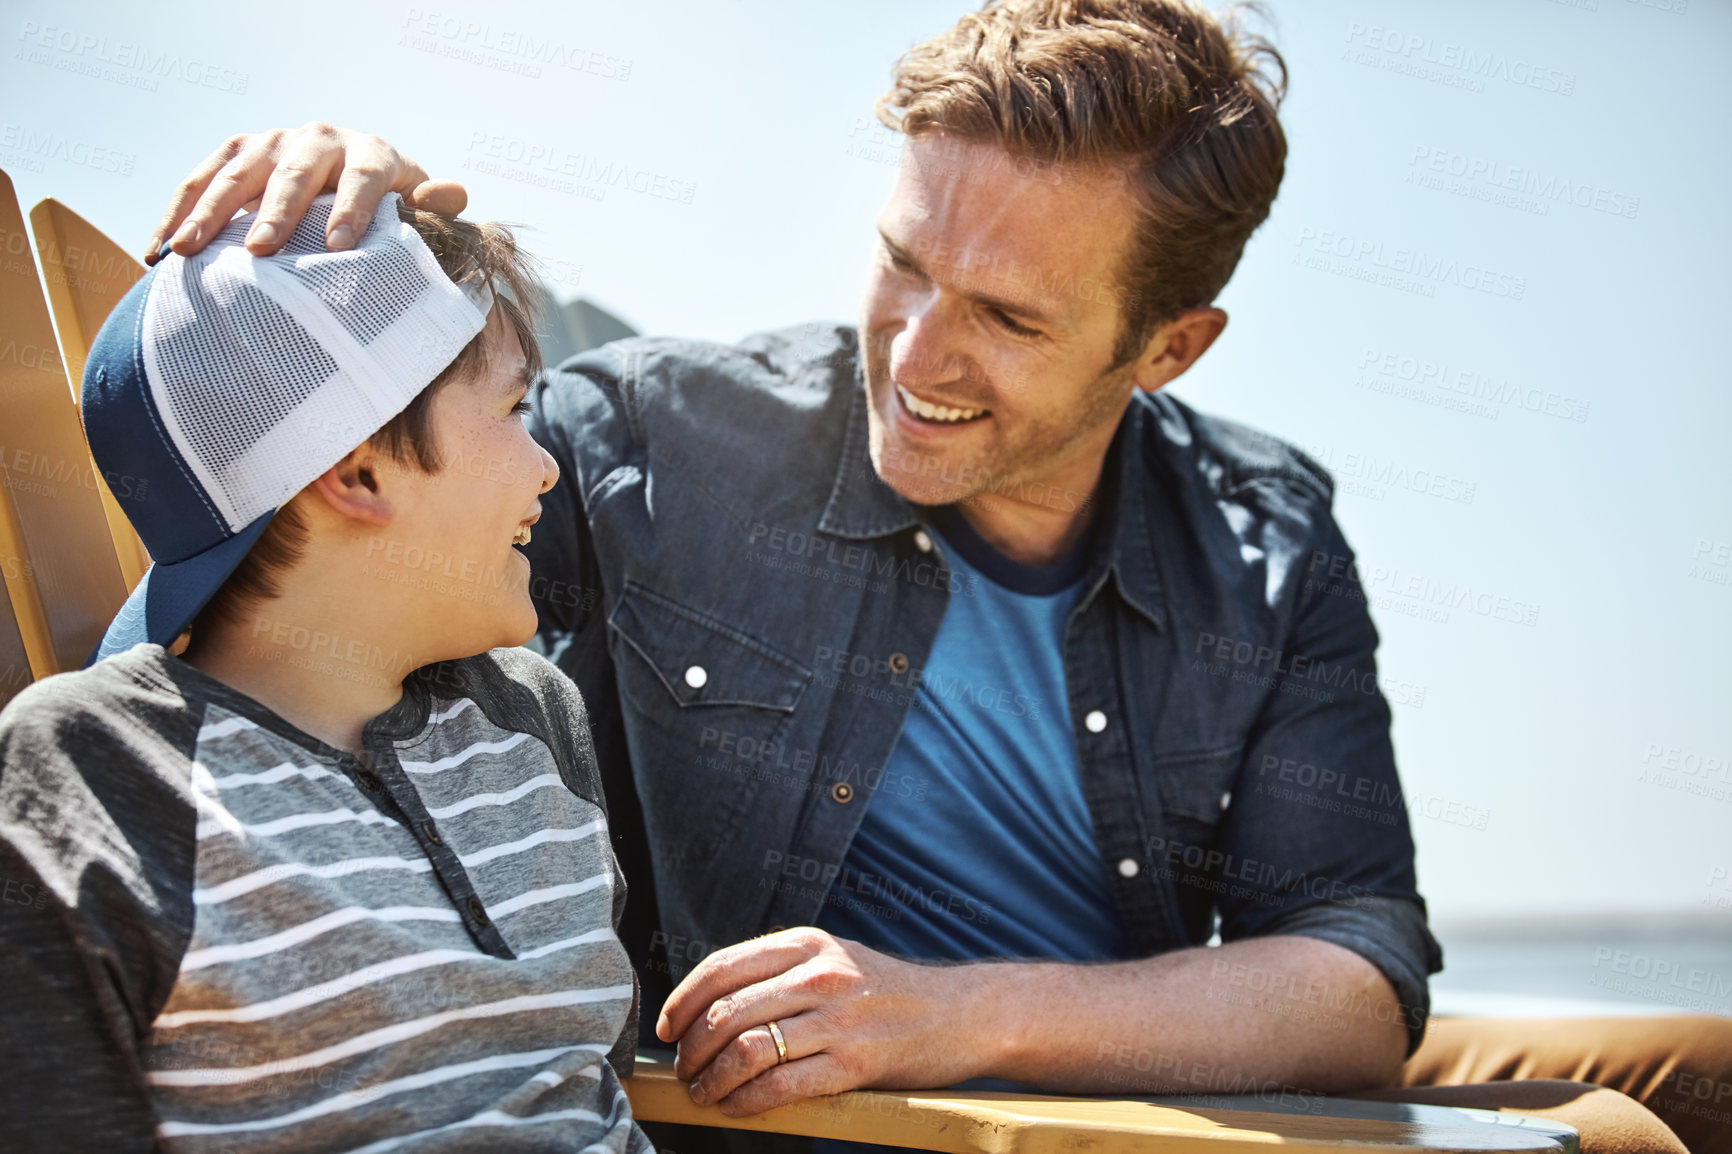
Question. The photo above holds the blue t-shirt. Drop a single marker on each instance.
(978, 841)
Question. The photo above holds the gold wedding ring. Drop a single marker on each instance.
(781, 1043)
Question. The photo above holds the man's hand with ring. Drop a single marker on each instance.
(849, 1017)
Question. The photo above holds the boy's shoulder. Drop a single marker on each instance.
(519, 689)
(508, 671)
(128, 708)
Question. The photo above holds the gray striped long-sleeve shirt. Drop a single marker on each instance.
(218, 933)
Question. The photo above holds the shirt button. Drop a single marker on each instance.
(899, 663)
(696, 676)
(476, 910)
(1095, 721)
(1226, 799)
(431, 833)
(922, 542)
(1129, 867)
(842, 792)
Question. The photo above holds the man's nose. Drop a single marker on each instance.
(928, 350)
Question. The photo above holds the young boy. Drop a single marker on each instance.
(338, 875)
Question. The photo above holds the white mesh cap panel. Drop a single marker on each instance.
(266, 371)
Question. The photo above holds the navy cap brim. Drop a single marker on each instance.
(169, 596)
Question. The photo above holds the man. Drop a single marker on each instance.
(950, 638)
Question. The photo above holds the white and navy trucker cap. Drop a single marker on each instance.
(225, 383)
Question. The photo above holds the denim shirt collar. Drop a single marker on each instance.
(862, 506)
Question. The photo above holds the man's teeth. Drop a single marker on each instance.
(522, 536)
(928, 412)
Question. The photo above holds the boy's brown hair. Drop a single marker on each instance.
(1175, 98)
(464, 250)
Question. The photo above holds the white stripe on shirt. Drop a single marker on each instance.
(212, 826)
(355, 979)
(354, 1098)
(540, 837)
(464, 755)
(270, 875)
(446, 715)
(294, 935)
(486, 1118)
(385, 1036)
(225, 727)
(545, 781)
(258, 879)
(275, 774)
(543, 896)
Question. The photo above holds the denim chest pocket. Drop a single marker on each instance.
(708, 708)
(1194, 785)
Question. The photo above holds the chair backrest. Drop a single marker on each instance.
(85, 275)
(64, 551)
(15, 672)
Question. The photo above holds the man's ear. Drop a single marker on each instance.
(1176, 346)
(351, 488)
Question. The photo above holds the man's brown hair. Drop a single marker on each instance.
(465, 250)
(1180, 101)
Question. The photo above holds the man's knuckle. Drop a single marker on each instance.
(368, 170)
(754, 1048)
(319, 128)
(296, 166)
(230, 177)
(720, 1012)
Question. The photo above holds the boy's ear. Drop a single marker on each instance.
(351, 488)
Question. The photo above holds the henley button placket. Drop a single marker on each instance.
(477, 910)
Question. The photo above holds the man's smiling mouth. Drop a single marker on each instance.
(936, 414)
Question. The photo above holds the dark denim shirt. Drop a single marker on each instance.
(747, 609)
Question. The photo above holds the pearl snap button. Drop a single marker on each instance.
(696, 676)
(922, 542)
(1128, 868)
(1095, 721)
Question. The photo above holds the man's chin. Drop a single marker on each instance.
(919, 490)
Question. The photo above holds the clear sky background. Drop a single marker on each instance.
(1521, 390)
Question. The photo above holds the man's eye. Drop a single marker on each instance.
(1005, 321)
(901, 264)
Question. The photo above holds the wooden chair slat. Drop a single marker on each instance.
(85, 275)
(64, 546)
(15, 671)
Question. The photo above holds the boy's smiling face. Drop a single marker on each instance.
(452, 536)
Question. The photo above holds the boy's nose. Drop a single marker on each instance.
(549, 470)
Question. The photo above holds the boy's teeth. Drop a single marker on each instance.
(522, 536)
(935, 412)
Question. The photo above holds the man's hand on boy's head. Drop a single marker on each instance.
(278, 173)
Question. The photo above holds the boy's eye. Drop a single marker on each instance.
(521, 408)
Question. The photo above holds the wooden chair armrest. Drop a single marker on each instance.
(996, 1123)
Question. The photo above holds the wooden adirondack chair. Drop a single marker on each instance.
(68, 565)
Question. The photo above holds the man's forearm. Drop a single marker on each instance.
(1285, 1012)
